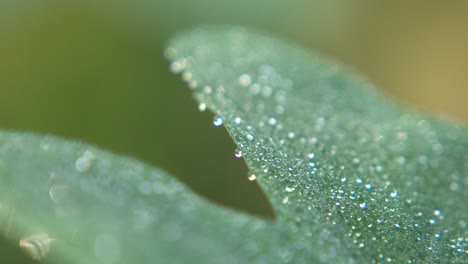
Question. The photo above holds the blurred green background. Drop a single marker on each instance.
(94, 71)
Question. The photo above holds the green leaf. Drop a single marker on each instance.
(68, 202)
(352, 176)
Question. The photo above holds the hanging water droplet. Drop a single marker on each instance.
(311, 156)
(311, 165)
(368, 186)
(201, 107)
(176, 67)
(394, 194)
(238, 153)
(363, 205)
(249, 137)
(285, 200)
(218, 121)
(252, 177)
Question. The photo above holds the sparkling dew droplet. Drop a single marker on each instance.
(201, 107)
(245, 80)
(289, 189)
(252, 177)
(218, 121)
(285, 200)
(238, 153)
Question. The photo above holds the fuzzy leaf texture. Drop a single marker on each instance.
(352, 176)
(68, 202)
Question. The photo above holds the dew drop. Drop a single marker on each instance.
(437, 212)
(237, 120)
(279, 110)
(201, 107)
(311, 156)
(343, 180)
(238, 153)
(218, 121)
(285, 200)
(394, 194)
(311, 165)
(249, 137)
(83, 163)
(368, 186)
(363, 205)
(252, 177)
(291, 135)
(272, 121)
(176, 67)
(289, 189)
(245, 80)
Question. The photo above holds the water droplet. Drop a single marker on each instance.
(237, 120)
(245, 80)
(358, 181)
(249, 137)
(311, 156)
(285, 200)
(83, 163)
(201, 107)
(291, 135)
(170, 53)
(36, 246)
(272, 121)
(343, 180)
(176, 67)
(289, 189)
(368, 186)
(363, 205)
(311, 165)
(279, 109)
(252, 177)
(394, 194)
(187, 76)
(218, 121)
(437, 213)
(267, 91)
(238, 153)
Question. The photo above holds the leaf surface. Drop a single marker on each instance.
(352, 176)
(69, 202)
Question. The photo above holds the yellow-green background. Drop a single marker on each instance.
(94, 71)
